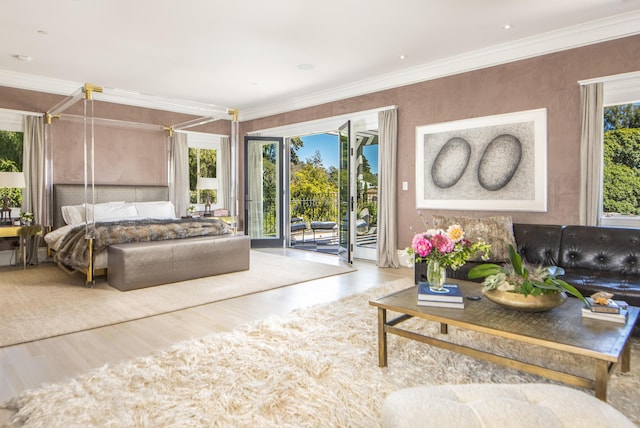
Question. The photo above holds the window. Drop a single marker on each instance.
(621, 154)
(11, 141)
(203, 152)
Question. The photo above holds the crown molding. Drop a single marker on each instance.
(598, 31)
(567, 38)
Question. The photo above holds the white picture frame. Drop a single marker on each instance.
(491, 163)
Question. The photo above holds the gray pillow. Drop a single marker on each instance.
(497, 231)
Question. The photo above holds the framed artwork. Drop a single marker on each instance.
(491, 163)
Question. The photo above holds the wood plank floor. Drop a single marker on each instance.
(29, 365)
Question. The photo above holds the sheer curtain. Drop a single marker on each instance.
(387, 204)
(591, 148)
(254, 174)
(224, 180)
(179, 172)
(33, 166)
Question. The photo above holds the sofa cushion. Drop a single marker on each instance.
(539, 244)
(497, 231)
(601, 249)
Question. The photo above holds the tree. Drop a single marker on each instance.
(621, 190)
(11, 161)
(622, 116)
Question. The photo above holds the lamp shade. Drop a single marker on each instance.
(207, 183)
(12, 180)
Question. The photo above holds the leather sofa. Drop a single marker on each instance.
(594, 258)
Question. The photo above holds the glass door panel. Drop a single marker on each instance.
(263, 191)
(366, 160)
(345, 248)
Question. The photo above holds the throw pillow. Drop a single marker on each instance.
(497, 231)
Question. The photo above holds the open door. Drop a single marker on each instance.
(263, 191)
(345, 198)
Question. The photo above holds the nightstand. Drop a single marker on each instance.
(25, 233)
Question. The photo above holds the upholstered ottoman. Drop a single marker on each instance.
(499, 406)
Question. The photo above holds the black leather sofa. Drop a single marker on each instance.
(594, 258)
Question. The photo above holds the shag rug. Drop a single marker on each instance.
(45, 301)
(316, 367)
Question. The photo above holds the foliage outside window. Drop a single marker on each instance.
(621, 167)
(202, 163)
(11, 144)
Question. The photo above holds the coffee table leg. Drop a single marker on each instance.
(382, 337)
(602, 376)
(625, 358)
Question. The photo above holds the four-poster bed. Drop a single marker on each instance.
(134, 233)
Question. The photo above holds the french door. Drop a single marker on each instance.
(264, 206)
(345, 197)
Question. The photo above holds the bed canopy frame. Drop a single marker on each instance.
(87, 93)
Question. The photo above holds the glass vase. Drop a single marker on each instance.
(436, 275)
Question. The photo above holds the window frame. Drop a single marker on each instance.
(618, 92)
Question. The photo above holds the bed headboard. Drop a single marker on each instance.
(73, 194)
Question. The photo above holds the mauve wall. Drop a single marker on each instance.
(123, 155)
(548, 81)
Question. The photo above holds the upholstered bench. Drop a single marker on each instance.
(498, 405)
(145, 264)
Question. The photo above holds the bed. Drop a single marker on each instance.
(137, 239)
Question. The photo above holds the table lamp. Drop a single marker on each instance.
(9, 180)
(205, 183)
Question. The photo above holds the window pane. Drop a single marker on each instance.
(621, 161)
(11, 160)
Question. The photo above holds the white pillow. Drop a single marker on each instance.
(114, 211)
(156, 209)
(73, 214)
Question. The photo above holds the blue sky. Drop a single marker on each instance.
(328, 146)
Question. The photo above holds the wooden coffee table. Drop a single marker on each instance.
(561, 328)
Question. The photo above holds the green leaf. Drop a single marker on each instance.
(484, 270)
(516, 261)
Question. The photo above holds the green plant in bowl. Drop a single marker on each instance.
(517, 277)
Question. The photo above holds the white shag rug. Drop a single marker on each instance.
(316, 367)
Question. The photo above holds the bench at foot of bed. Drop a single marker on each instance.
(145, 264)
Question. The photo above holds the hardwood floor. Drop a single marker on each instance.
(50, 360)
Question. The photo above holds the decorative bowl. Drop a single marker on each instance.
(530, 303)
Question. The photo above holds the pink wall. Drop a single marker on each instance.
(548, 81)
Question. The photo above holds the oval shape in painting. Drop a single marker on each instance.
(450, 163)
(499, 162)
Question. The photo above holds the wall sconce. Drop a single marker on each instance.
(206, 183)
(9, 180)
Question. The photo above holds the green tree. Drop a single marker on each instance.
(208, 162)
(11, 161)
(621, 193)
(622, 116)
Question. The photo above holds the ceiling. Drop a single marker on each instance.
(270, 56)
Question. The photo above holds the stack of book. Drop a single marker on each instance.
(613, 310)
(451, 298)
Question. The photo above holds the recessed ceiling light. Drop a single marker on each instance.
(404, 56)
(506, 26)
(25, 58)
(306, 66)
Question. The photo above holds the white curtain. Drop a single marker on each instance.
(33, 166)
(254, 204)
(179, 172)
(591, 153)
(224, 179)
(387, 255)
